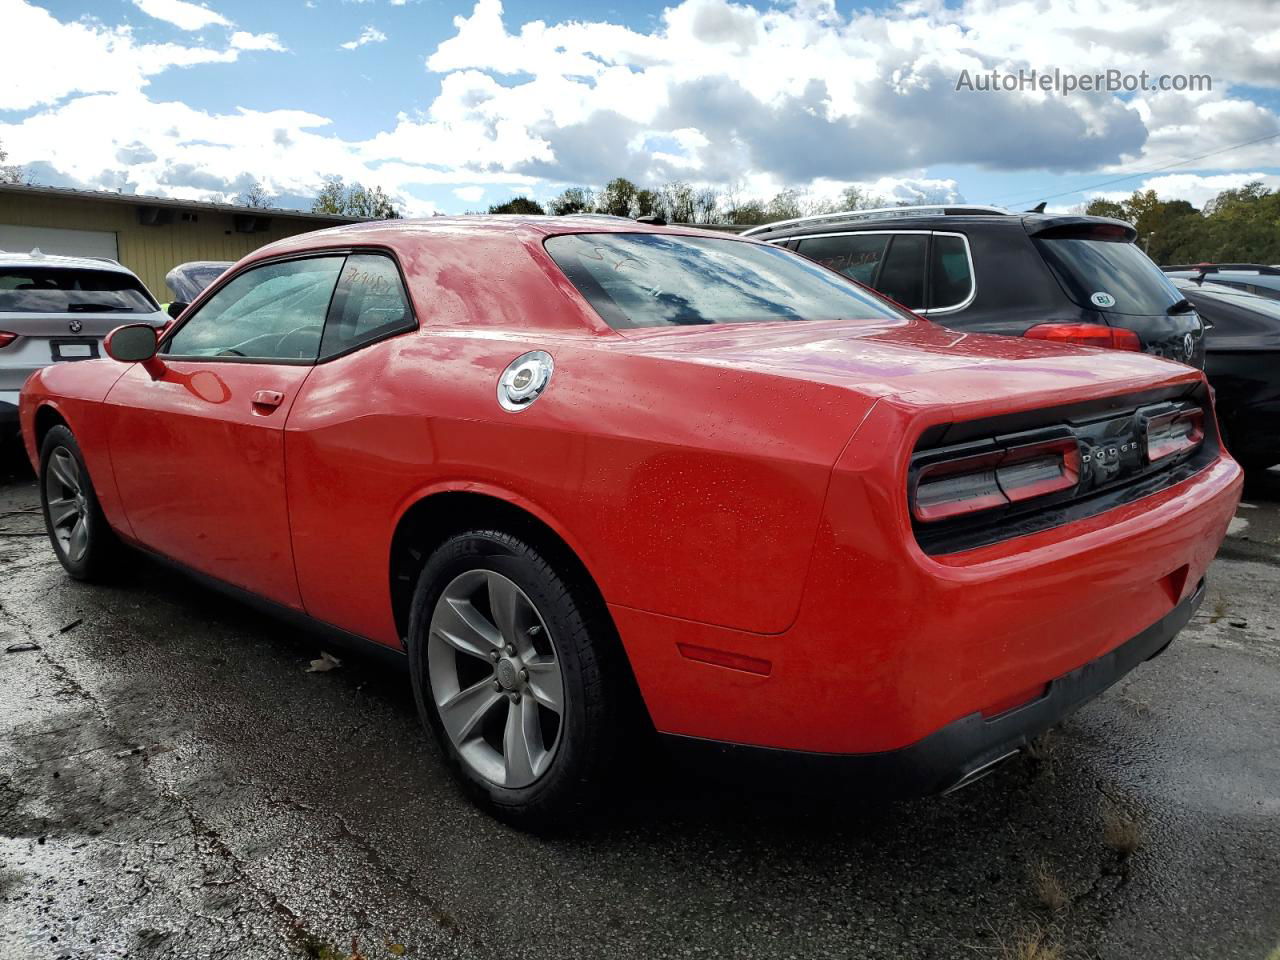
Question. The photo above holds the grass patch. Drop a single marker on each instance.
(1048, 889)
(1032, 943)
(1121, 831)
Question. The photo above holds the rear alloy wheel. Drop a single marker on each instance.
(495, 678)
(77, 529)
(519, 675)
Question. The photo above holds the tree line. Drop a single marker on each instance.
(682, 202)
(1236, 226)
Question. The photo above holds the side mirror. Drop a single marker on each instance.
(176, 308)
(133, 343)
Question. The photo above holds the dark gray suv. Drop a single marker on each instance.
(1072, 279)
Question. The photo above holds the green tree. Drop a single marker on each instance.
(645, 201)
(855, 198)
(572, 200)
(784, 206)
(354, 201)
(12, 172)
(618, 198)
(521, 205)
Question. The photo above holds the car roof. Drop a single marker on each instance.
(529, 228)
(55, 261)
(937, 218)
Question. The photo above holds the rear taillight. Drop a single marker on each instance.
(6, 339)
(994, 479)
(1173, 433)
(1087, 335)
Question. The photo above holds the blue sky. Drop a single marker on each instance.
(451, 106)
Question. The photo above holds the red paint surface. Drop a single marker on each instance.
(739, 489)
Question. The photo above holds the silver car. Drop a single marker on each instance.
(57, 310)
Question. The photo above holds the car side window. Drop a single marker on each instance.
(370, 303)
(272, 312)
(856, 255)
(950, 274)
(902, 276)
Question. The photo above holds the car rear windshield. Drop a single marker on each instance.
(653, 279)
(1112, 276)
(60, 290)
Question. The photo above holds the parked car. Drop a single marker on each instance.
(57, 309)
(189, 280)
(1243, 365)
(1251, 277)
(1071, 279)
(592, 478)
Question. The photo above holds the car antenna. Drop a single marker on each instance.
(1038, 208)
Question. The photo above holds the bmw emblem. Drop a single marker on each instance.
(76, 326)
(1189, 346)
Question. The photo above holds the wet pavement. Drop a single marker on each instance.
(173, 783)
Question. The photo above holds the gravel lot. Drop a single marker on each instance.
(173, 783)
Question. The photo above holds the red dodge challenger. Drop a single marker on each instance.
(587, 477)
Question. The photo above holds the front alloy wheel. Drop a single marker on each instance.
(67, 504)
(495, 678)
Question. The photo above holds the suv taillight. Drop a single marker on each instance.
(7, 338)
(1086, 334)
(950, 488)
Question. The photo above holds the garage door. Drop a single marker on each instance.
(68, 243)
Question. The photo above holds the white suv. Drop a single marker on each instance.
(58, 309)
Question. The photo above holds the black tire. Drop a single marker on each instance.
(101, 549)
(592, 726)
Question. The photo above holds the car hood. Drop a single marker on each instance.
(61, 324)
(918, 363)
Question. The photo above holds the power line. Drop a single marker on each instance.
(1147, 173)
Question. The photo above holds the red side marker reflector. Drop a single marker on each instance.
(723, 658)
(7, 338)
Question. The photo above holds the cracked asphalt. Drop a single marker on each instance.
(173, 783)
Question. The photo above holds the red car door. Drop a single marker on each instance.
(198, 450)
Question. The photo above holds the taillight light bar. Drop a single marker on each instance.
(995, 479)
(1086, 335)
(1172, 433)
(7, 338)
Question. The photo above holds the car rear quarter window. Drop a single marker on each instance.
(951, 281)
(653, 279)
(370, 304)
(856, 255)
(63, 290)
(1108, 275)
(272, 312)
(902, 276)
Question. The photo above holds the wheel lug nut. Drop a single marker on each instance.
(511, 651)
(493, 655)
(515, 698)
(497, 684)
(524, 674)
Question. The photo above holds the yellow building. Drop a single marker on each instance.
(149, 235)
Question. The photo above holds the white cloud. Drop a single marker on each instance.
(55, 60)
(367, 35)
(240, 40)
(791, 94)
(184, 15)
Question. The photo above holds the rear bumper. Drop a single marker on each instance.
(956, 754)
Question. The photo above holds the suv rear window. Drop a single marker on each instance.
(59, 290)
(654, 279)
(1113, 276)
